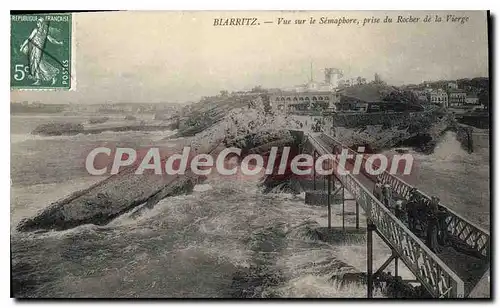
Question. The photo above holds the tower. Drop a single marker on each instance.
(332, 76)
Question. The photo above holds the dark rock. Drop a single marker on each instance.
(104, 201)
(321, 197)
(98, 120)
(349, 278)
(57, 129)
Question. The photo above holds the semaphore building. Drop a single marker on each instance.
(289, 101)
(312, 96)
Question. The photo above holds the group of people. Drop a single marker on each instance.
(424, 217)
(383, 192)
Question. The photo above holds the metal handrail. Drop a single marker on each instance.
(474, 237)
(431, 271)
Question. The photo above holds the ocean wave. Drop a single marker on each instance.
(152, 136)
(228, 226)
(313, 286)
(19, 138)
(202, 187)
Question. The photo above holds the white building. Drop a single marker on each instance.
(472, 99)
(439, 97)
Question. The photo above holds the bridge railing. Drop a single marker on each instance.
(472, 236)
(475, 238)
(433, 273)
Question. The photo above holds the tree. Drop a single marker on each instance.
(258, 89)
(484, 98)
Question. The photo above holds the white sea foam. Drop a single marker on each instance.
(202, 187)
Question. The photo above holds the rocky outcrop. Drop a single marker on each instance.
(198, 117)
(57, 129)
(98, 120)
(393, 287)
(252, 129)
(103, 202)
(249, 128)
(111, 197)
(261, 142)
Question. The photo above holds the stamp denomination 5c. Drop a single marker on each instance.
(41, 51)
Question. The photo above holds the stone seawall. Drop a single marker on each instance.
(481, 140)
(351, 120)
(480, 120)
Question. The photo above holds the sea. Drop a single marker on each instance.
(225, 239)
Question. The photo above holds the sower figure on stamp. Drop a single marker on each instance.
(39, 68)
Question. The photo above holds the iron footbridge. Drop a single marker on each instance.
(449, 272)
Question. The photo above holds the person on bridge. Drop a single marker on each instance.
(413, 208)
(398, 210)
(377, 190)
(387, 196)
(441, 214)
(432, 224)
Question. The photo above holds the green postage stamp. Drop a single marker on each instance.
(40, 52)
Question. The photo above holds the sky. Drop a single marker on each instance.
(181, 56)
